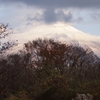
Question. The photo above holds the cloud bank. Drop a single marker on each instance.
(83, 14)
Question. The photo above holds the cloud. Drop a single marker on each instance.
(36, 17)
(59, 3)
(95, 16)
(51, 16)
(66, 17)
(19, 13)
(79, 19)
(49, 8)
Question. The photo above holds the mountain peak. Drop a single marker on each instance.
(61, 32)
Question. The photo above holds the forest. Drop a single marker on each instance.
(46, 69)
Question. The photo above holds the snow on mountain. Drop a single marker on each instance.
(61, 32)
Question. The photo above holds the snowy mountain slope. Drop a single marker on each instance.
(61, 32)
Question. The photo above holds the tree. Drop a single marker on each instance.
(52, 56)
(5, 44)
(61, 70)
(5, 32)
(49, 70)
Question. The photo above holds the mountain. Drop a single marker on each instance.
(61, 32)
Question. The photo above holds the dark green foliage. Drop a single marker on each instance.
(49, 70)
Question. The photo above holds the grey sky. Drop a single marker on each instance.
(50, 6)
(83, 14)
(59, 3)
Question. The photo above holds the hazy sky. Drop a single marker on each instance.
(25, 14)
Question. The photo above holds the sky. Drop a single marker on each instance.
(24, 15)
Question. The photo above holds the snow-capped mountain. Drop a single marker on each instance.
(61, 32)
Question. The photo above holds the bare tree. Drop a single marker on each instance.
(5, 32)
